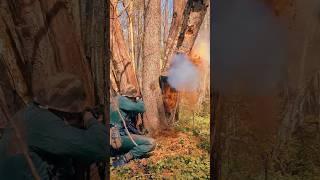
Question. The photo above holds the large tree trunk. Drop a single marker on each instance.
(304, 62)
(154, 115)
(43, 37)
(215, 138)
(91, 20)
(40, 39)
(299, 92)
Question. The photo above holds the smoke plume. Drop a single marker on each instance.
(183, 75)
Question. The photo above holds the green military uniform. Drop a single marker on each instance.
(126, 106)
(50, 140)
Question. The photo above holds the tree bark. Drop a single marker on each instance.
(304, 63)
(155, 116)
(121, 60)
(43, 37)
(185, 26)
(177, 16)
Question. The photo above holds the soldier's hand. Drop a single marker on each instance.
(87, 115)
(100, 118)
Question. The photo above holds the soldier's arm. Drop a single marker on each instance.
(59, 138)
(128, 105)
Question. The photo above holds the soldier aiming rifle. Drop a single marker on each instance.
(52, 144)
(126, 140)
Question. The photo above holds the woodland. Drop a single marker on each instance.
(110, 44)
(264, 92)
(145, 38)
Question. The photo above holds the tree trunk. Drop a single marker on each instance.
(151, 67)
(177, 16)
(43, 37)
(121, 60)
(185, 26)
(215, 137)
(27, 28)
(95, 36)
(304, 63)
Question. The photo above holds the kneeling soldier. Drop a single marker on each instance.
(126, 107)
(51, 142)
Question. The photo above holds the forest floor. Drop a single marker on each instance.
(182, 153)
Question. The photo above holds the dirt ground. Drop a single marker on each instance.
(169, 145)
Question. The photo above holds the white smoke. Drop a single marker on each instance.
(183, 75)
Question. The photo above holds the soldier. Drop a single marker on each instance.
(51, 142)
(126, 107)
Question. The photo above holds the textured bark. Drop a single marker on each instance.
(44, 24)
(121, 61)
(300, 94)
(178, 8)
(155, 116)
(43, 37)
(95, 38)
(185, 27)
(166, 21)
(301, 19)
(215, 138)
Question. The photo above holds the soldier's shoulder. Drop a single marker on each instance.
(34, 112)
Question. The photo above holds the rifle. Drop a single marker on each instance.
(140, 115)
(83, 171)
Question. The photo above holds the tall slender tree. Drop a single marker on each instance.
(151, 66)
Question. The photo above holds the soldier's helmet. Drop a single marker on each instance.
(63, 92)
(130, 91)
